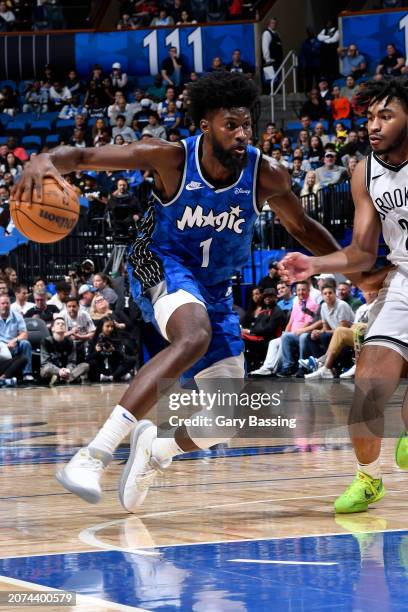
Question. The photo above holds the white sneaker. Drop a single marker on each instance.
(141, 468)
(104, 378)
(349, 373)
(82, 474)
(126, 377)
(322, 372)
(261, 372)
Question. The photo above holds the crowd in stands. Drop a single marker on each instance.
(306, 331)
(36, 15)
(141, 13)
(88, 329)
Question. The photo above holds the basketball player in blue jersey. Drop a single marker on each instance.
(380, 194)
(209, 191)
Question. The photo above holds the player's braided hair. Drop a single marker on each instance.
(387, 90)
(220, 90)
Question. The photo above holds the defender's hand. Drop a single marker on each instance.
(296, 267)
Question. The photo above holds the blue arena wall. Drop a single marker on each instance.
(373, 31)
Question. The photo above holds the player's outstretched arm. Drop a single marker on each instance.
(360, 255)
(154, 154)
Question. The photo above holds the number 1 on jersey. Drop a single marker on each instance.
(205, 244)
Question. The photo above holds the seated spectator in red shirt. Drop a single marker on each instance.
(340, 106)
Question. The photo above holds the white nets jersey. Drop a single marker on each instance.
(388, 188)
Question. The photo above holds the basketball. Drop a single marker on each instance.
(50, 220)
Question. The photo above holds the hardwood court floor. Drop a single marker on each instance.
(260, 489)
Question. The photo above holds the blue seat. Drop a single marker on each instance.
(5, 119)
(42, 127)
(32, 142)
(62, 125)
(184, 132)
(31, 151)
(3, 140)
(16, 128)
(339, 82)
(8, 83)
(52, 140)
(346, 122)
(361, 121)
(294, 125)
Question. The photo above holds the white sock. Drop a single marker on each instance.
(165, 448)
(372, 469)
(115, 429)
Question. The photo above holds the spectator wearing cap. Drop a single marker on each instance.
(271, 279)
(154, 128)
(340, 106)
(330, 173)
(118, 78)
(85, 294)
(124, 130)
(352, 62)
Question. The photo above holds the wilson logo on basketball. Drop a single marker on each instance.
(62, 222)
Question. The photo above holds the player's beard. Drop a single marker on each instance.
(226, 158)
(397, 142)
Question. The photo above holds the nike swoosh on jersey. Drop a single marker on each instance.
(191, 187)
(377, 176)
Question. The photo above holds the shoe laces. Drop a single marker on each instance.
(364, 482)
(92, 464)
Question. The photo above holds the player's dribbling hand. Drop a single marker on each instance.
(295, 267)
(35, 171)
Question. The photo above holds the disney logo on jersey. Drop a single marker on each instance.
(239, 190)
(194, 185)
(195, 217)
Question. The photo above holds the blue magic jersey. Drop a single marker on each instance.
(206, 230)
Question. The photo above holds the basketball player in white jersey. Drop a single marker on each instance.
(380, 193)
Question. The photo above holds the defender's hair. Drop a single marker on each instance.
(387, 90)
(220, 90)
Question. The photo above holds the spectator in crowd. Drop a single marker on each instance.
(17, 149)
(272, 50)
(120, 107)
(320, 132)
(7, 17)
(11, 368)
(39, 284)
(154, 128)
(351, 165)
(311, 184)
(349, 89)
(199, 9)
(303, 142)
(80, 327)
(172, 68)
(121, 128)
(271, 279)
(107, 359)
(13, 333)
(8, 101)
(340, 107)
(325, 93)
(309, 59)
(60, 298)
(254, 308)
(316, 152)
(163, 19)
(176, 7)
(297, 174)
(36, 99)
(73, 83)
(59, 96)
(315, 107)
(12, 165)
(73, 108)
(103, 285)
(58, 357)
(11, 278)
(352, 62)
(237, 64)
(3, 287)
(185, 19)
(118, 79)
(124, 211)
(285, 297)
(329, 37)
(294, 340)
(21, 306)
(333, 313)
(330, 173)
(42, 310)
(344, 294)
(391, 64)
(351, 148)
(157, 91)
(169, 97)
(144, 11)
(345, 336)
(217, 65)
(86, 294)
(359, 107)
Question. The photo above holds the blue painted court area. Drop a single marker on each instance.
(341, 572)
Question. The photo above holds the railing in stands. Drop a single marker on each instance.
(332, 206)
(279, 82)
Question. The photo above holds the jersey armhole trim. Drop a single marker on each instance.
(257, 169)
(181, 184)
(368, 173)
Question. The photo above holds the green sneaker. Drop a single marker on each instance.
(363, 490)
(401, 451)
